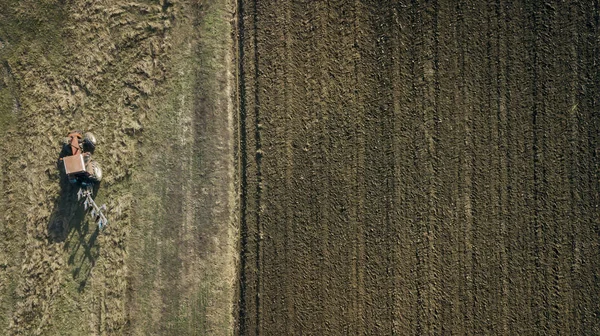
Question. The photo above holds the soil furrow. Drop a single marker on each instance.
(425, 166)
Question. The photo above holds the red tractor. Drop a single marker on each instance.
(76, 162)
(76, 159)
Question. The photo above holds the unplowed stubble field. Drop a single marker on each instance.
(419, 168)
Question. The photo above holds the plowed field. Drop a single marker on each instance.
(419, 168)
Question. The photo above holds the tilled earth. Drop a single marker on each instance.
(419, 168)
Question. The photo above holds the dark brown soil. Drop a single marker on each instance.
(419, 168)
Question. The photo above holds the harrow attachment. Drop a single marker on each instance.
(97, 212)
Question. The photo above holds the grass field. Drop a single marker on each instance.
(153, 81)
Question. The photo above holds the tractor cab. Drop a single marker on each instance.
(76, 159)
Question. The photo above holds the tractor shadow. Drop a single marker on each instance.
(70, 224)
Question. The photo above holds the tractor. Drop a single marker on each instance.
(76, 162)
(76, 159)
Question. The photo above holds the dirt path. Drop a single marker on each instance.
(419, 169)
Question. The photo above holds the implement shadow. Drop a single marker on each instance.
(69, 225)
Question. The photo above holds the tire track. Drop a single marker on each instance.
(249, 309)
(243, 161)
(258, 154)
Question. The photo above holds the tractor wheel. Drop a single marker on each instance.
(89, 140)
(96, 172)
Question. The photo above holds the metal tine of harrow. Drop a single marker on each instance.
(101, 223)
(96, 212)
